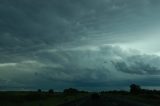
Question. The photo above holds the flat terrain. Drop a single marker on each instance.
(106, 101)
(37, 99)
(79, 99)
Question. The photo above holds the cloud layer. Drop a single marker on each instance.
(100, 66)
(86, 43)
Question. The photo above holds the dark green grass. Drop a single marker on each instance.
(57, 98)
(36, 99)
(151, 99)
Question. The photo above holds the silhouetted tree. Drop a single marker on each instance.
(51, 91)
(135, 89)
(39, 90)
(70, 91)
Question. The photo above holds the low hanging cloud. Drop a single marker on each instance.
(92, 65)
(105, 59)
(137, 68)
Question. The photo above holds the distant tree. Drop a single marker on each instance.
(135, 89)
(51, 91)
(39, 90)
(70, 91)
(83, 91)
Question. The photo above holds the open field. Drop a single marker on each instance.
(118, 100)
(78, 99)
(36, 99)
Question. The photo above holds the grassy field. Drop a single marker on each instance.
(37, 99)
(150, 99)
(62, 99)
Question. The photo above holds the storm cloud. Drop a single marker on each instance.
(79, 43)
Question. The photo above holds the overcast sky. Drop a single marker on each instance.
(86, 44)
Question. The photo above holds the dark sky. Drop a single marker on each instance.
(87, 44)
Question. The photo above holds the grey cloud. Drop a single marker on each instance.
(139, 64)
(28, 26)
(65, 40)
(137, 68)
(80, 64)
(31, 23)
(83, 65)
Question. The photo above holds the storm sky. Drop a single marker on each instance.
(86, 44)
